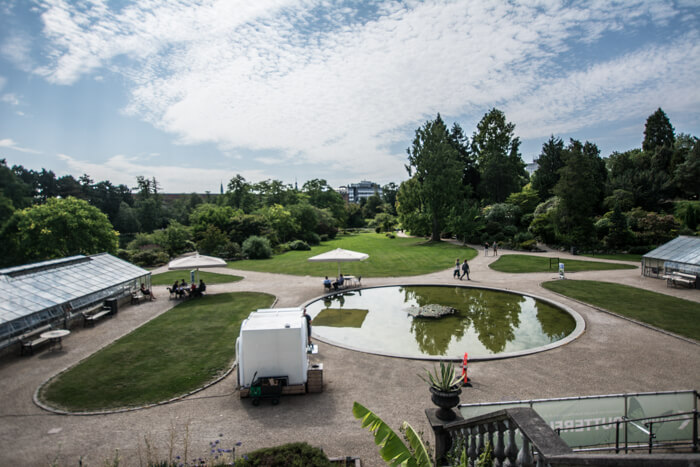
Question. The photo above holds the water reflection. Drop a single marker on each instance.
(486, 321)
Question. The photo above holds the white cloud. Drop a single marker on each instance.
(11, 144)
(16, 49)
(10, 98)
(122, 169)
(324, 86)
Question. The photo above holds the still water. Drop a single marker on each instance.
(487, 322)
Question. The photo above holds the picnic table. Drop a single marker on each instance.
(55, 337)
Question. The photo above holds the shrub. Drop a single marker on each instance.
(324, 237)
(229, 250)
(299, 245)
(255, 247)
(529, 245)
(390, 235)
(151, 257)
(124, 254)
(292, 454)
(312, 238)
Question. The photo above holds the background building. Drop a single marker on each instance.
(357, 191)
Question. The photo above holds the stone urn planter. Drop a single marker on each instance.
(446, 400)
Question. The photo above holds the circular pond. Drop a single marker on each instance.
(486, 323)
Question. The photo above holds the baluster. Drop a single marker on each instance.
(472, 445)
(540, 460)
(511, 451)
(482, 444)
(525, 456)
(491, 427)
(499, 449)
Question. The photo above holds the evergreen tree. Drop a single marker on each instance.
(438, 172)
(550, 161)
(496, 149)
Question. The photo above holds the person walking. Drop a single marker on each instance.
(495, 248)
(465, 270)
(486, 249)
(455, 273)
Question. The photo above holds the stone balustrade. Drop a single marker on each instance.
(539, 445)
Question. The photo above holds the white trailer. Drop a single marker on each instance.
(273, 343)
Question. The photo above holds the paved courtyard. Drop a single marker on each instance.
(613, 356)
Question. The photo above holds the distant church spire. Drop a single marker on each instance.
(221, 190)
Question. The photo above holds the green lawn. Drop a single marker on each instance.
(387, 257)
(167, 278)
(526, 263)
(171, 355)
(619, 257)
(663, 311)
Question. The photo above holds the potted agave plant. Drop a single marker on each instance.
(445, 386)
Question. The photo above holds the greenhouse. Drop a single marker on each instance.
(41, 293)
(682, 254)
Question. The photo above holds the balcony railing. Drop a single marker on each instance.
(538, 445)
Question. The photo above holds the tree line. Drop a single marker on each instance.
(474, 189)
(479, 190)
(44, 217)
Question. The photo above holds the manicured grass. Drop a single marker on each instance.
(171, 355)
(663, 311)
(619, 257)
(167, 278)
(387, 257)
(525, 263)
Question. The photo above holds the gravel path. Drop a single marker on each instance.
(613, 356)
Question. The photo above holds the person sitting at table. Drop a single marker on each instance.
(146, 292)
(202, 288)
(327, 283)
(338, 283)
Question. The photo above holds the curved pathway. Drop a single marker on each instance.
(613, 356)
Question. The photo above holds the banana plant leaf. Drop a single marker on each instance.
(391, 447)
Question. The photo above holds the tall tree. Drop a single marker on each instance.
(239, 194)
(658, 131)
(580, 189)
(389, 192)
(550, 161)
(496, 149)
(438, 171)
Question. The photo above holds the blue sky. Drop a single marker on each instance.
(194, 92)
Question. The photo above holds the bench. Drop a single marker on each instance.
(93, 316)
(137, 297)
(32, 339)
(678, 278)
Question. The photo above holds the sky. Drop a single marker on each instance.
(195, 92)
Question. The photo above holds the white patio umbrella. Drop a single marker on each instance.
(339, 256)
(196, 261)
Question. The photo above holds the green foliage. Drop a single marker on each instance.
(445, 379)
(411, 209)
(56, 229)
(465, 220)
(149, 257)
(526, 199)
(255, 247)
(549, 161)
(687, 173)
(689, 213)
(658, 131)
(291, 454)
(496, 148)
(298, 245)
(391, 447)
(580, 189)
(438, 182)
(384, 221)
